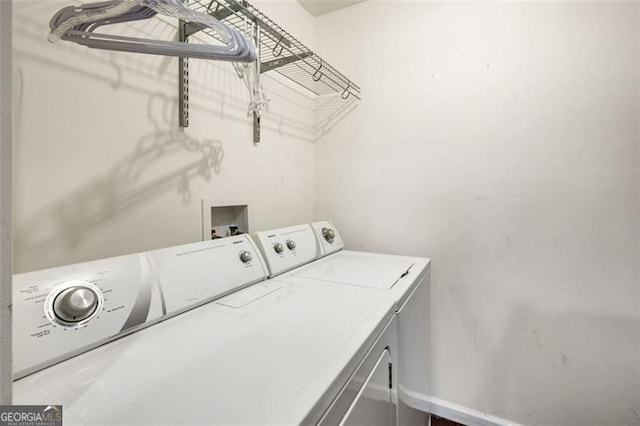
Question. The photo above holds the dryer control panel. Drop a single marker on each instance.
(287, 248)
(328, 237)
(64, 311)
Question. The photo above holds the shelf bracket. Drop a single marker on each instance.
(318, 74)
(219, 13)
(346, 93)
(277, 52)
(183, 81)
(280, 62)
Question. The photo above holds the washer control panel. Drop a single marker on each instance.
(61, 312)
(287, 248)
(73, 304)
(197, 273)
(328, 237)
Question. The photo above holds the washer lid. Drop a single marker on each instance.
(360, 269)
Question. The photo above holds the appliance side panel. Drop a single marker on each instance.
(414, 340)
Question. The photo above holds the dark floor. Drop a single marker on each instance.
(439, 421)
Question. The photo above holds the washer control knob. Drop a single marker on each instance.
(278, 247)
(75, 304)
(291, 244)
(328, 235)
(245, 256)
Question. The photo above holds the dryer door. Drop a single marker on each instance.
(373, 404)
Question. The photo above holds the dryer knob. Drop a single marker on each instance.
(279, 248)
(328, 235)
(245, 256)
(291, 244)
(75, 304)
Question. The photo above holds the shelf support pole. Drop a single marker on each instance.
(256, 115)
(183, 80)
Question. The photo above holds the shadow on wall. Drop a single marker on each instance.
(581, 369)
(330, 110)
(214, 86)
(70, 219)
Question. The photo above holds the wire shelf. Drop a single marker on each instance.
(278, 50)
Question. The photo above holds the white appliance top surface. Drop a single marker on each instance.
(261, 361)
(358, 268)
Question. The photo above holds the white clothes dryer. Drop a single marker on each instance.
(400, 280)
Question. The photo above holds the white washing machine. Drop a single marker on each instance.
(400, 280)
(104, 340)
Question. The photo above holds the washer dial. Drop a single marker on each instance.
(328, 235)
(245, 256)
(278, 247)
(291, 244)
(73, 304)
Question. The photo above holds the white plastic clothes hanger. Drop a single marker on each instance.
(69, 12)
(78, 25)
(258, 98)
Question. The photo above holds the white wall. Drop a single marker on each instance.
(100, 166)
(5, 202)
(501, 140)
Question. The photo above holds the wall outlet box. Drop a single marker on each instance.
(221, 217)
